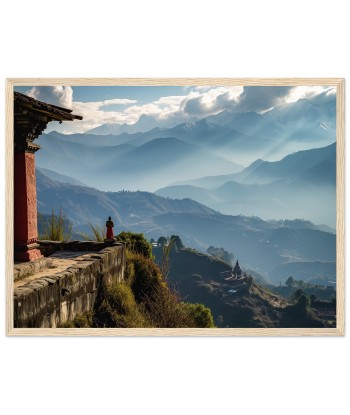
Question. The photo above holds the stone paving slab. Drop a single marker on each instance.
(57, 262)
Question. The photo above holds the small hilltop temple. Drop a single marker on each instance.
(237, 270)
(30, 120)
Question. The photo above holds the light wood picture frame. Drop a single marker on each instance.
(12, 84)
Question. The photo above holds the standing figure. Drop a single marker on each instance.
(109, 226)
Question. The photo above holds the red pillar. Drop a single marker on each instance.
(25, 207)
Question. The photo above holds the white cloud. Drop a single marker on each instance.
(309, 92)
(211, 101)
(56, 95)
(160, 109)
(94, 114)
(115, 101)
(195, 103)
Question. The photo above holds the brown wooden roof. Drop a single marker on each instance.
(53, 111)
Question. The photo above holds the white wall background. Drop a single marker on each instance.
(167, 39)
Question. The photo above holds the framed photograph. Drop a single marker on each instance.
(175, 207)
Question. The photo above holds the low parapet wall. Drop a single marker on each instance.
(51, 300)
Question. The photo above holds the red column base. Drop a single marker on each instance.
(29, 255)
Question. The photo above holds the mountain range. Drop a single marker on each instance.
(260, 245)
(270, 135)
(289, 188)
(216, 145)
(125, 166)
(143, 124)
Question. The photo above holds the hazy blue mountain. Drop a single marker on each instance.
(224, 140)
(300, 224)
(91, 140)
(199, 194)
(317, 272)
(158, 160)
(124, 166)
(289, 188)
(60, 177)
(239, 138)
(314, 165)
(269, 201)
(303, 124)
(168, 150)
(293, 166)
(79, 161)
(304, 113)
(210, 182)
(272, 133)
(238, 144)
(323, 173)
(144, 123)
(84, 205)
(252, 124)
(222, 118)
(261, 245)
(303, 119)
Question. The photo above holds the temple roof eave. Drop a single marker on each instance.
(53, 112)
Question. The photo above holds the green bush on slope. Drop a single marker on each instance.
(144, 299)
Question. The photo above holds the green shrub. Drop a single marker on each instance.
(121, 298)
(118, 308)
(136, 243)
(148, 279)
(83, 320)
(303, 302)
(144, 299)
(201, 315)
(80, 321)
(129, 274)
(165, 310)
(69, 324)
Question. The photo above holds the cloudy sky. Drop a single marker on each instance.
(175, 104)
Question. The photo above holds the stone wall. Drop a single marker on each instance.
(52, 300)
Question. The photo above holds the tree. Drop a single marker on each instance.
(249, 282)
(221, 254)
(298, 293)
(178, 242)
(162, 241)
(290, 282)
(303, 302)
(313, 298)
(300, 283)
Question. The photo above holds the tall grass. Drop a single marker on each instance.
(166, 257)
(55, 228)
(98, 233)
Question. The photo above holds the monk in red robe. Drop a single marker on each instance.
(109, 226)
